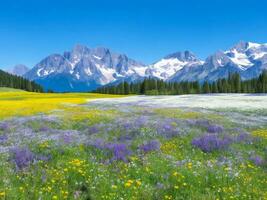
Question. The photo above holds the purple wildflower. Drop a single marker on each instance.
(3, 138)
(211, 142)
(99, 143)
(128, 126)
(141, 121)
(125, 138)
(202, 122)
(257, 160)
(22, 157)
(119, 151)
(152, 145)
(168, 130)
(4, 126)
(44, 129)
(215, 129)
(67, 138)
(244, 137)
(44, 158)
(93, 130)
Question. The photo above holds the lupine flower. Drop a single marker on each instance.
(152, 145)
(93, 129)
(44, 129)
(128, 126)
(257, 160)
(43, 158)
(141, 121)
(167, 130)
(67, 138)
(3, 138)
(125, 138)
(244, 137)
(4, 126)
(22, 157)
(98, 143)
(119, 151)
(211, 142)
(215, 129)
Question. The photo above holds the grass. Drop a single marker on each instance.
(80, 168)
(6, 89)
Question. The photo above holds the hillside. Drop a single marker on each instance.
(12, 81)
(7, 89)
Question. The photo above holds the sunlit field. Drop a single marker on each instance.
(93, 146)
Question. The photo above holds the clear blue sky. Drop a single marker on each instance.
(145, 30)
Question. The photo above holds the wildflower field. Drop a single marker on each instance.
(93, 146)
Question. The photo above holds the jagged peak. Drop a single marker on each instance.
(243, 46)
(80, 48)
(182, 56)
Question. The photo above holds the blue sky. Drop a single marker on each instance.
(145, 30)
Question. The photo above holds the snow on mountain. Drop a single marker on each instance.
(246, 58)
(172, 63)
(19, 70)
(84, 69)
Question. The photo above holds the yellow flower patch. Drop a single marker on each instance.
(29, 103)
(260, 133)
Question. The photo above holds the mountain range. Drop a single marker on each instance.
(85, 69)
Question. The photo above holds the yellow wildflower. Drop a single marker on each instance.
(127, 184)
(2, 194)
(114, 186)
(138, 183)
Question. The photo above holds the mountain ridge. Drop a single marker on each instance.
(85, 69)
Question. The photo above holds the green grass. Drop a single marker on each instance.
(6, 89)
(177, 170)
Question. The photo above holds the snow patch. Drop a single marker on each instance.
(259, 55)
(241, 60)
(220, 62)
(97, 57)
(253, 45)
(87, 71)
(77, 75)
(38, 72)
(165, 68)
(141, 71)
(107, 74)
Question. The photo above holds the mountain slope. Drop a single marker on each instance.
(83, 69)
(171, 64)
(246, 58)
(13, 81)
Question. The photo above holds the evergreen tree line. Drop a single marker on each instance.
(149, 86)
(17, 82)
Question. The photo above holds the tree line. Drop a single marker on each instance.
(150, 86)
(18, 82)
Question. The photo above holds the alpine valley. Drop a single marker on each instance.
(85, 69)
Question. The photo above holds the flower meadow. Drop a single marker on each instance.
(66, 146)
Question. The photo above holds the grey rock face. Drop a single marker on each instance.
(246, 58)
(84, 69)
